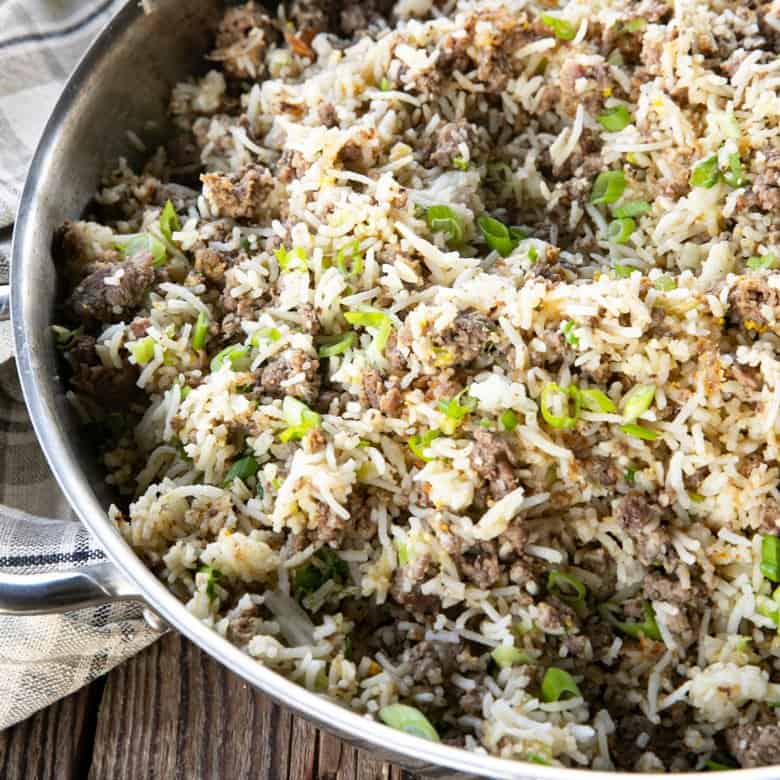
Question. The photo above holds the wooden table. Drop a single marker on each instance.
(172, 713)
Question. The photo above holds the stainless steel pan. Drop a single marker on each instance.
(122, 84)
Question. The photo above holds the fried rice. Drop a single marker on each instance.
(435, 362)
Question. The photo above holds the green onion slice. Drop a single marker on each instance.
(730, 126)
(460, 163)
(569, 334)
(620, 230)
(418, 444)
(639, 432)
(596, 401)
(535, 758)
(734, 176)
(568, 588)
(143, 242)
(142, 350)
(296, 256)
(562, 29)
(243, 469)
(455, 411)
(351, 250)
(648, 628)
(236, 356)
(200, 331)
(409, 720)
(615, 118)
(759, 262)
(634, 208)
(299, 418)
(63, 336)
(169, 221)
(717, 766)
(508, 420)
(637, 401)
(213, 575)
(608, 187)
(705, 174)
(624, 271)
(444, 219)
(372, 319)
(770, 557)
(556, 683)
(272, 334)
(336, 345)
(563, 398)
(497, 235)
(665, 283)
(508, 655)
(384, 84)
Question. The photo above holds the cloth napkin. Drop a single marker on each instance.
(44, 658)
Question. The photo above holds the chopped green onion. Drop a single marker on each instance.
(142, 350)
(403, 552)
(734, 176)
(535, 758)
(169, 220)
(299, 418)
(327, 565)
(244, 244)
(648, 628)
(143, 242)
(508, 420)
(243, 469)
(236, 355)
(764, 261)
(624, 271)
(213, 575)
(730, 126)
(444, 219)
(620, 230)
(563, 397)
(616, 58)
(556, 683)
(286, 259)
(562, 29)
(635, 25)
(409, 720)
(634, 208)
(665, 283)
(200, 331)
(497, 235)
(697, 498)
(508, 655)
(384, 84)
(629, 474)
(556, 579)
(569, 334)
(716, 766)
(615, 118)
(455, 411)
(185, 391)
(769, 608)
(418, 444)
(336, 345)
(532, 253)
(351, 250)
(608, 187)
(639, 432)
(460, 163)
(63, 336)
(272, 334)
(596, 401)
(770, 557)
(706, 173)
(372, 319)
(518, 233)
(637, 401)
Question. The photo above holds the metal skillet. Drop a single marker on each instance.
(122, 85)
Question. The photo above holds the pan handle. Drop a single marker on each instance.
(62, 591)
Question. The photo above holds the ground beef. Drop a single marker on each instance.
(479, 565)
(467, 338)
(211, 264)
(754, 745)
(770, 517)
(405, 589)
(446, 146)
(389, 402)
(690, 602)
(291, 363)
(242, 628)
(97, 300)
(597, 79)
(753, 303)
(326, 112)
(493, 459)
(625, 750)
(431, 662)
(641, 519)
(292, 165)
(554, 617)
(310, 322)
(764, 191)
(328, 527)
(75, 248)
(243, 37)
(601, 470)
(239, 195)
(342, 18)
(115, 388)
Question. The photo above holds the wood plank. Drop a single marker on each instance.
(173, 712)
(55, 743)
